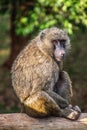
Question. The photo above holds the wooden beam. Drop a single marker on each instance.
(21, 121)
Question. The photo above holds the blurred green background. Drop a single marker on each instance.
(21, 20)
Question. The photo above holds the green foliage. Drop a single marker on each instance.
(40, 14)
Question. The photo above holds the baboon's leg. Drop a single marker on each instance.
(40, 105)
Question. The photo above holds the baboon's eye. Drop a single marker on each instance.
(62, 43)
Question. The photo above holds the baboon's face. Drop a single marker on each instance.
(58, 41)
(59, 46)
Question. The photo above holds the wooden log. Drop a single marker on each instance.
(21, 121)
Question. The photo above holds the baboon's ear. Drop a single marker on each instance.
(42, 35)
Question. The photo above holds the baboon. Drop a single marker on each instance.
(38, 78)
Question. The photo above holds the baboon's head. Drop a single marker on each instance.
(55, 42)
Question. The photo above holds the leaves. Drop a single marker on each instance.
(40, 14)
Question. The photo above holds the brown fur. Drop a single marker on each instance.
(35, 73)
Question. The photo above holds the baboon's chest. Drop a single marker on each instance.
(51, 76)
(54, 75)
(47, 71)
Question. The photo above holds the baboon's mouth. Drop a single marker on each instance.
(60, 58)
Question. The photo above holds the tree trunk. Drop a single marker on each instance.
(17, 42)
(21, 121)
